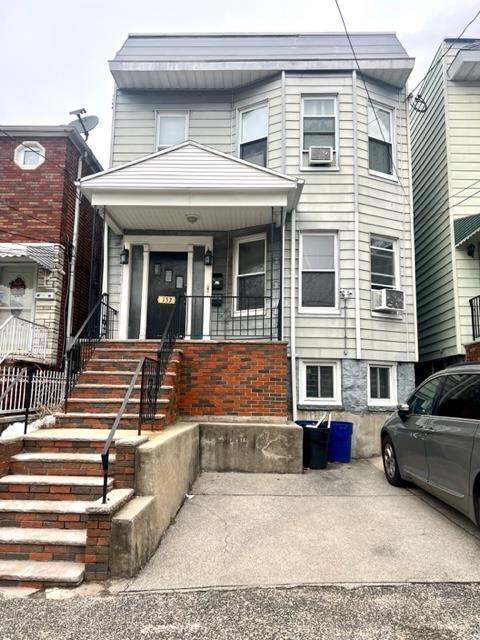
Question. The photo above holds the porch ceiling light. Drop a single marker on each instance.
(192, 218)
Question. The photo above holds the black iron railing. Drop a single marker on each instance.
(475, 310)
(99, 324)
(231, 317)
(152, 375)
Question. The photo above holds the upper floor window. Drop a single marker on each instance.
(172, 128)
(319, 129)
(382, 263)
(318, 271)
(254, 135)
(380, 140)
(249, 265)
(29, 155)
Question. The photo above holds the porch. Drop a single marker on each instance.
(194, 226)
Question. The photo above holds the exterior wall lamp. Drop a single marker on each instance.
(208, 258)
(124, 256)
(471, 250)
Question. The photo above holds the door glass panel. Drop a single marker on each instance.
(421, 403)
(17, 291)
(460, 397)
(136, 258)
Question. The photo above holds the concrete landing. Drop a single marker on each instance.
(344, 525)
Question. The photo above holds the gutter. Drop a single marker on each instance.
(293, 353)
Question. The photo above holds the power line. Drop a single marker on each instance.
(433, 65)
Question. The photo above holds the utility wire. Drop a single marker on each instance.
(433, 65)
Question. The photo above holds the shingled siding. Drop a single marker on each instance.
(233, 379)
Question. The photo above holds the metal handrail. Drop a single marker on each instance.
(83, 345)
(160, 363)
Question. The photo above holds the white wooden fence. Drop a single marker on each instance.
(48, 389)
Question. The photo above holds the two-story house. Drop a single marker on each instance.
(446, 189)
(265, 180)
(50, 241)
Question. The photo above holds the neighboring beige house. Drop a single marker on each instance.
(252, 174)
(446, 188)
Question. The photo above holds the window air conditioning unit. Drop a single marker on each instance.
(320, 155)
(388, 300)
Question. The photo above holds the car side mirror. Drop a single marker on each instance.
(403, 411)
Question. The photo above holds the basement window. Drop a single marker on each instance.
(320, 382)
(381, 385)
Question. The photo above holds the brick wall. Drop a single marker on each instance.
(472, 351)
(39, 206)
(8, 447)
(233, 379)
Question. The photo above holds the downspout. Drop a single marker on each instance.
(283, 122)
(293, 356)
(412, 244)
(356, 222)
(71, 285)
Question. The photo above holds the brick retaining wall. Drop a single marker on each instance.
(472, 351)
(233, 379)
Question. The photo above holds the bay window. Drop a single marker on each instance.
(318, 271)
(254, 135)
(318, 126)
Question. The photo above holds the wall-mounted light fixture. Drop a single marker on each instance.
(471, 250)
(208, 258)
(124, 256)
(192, 218)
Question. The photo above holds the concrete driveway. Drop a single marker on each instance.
(342, 525)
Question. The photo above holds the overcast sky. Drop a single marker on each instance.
(54, 53)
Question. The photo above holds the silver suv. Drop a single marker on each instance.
(434, 439)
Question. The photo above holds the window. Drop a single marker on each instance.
(422, 401)
(254, 135)
(249, 272)
(319, 125)
(380, 140)
(29, 155)
(172, 128)
(382, 385)
(318, 259)
(460, 397)
(382, 263)
(320, 382)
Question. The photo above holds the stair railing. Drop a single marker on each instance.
(152, 375)
(99, 324)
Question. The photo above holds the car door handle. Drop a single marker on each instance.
(428, 429)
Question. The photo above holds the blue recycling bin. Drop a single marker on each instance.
(340, 441)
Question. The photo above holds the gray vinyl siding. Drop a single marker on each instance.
(435, 286)
(134, 125)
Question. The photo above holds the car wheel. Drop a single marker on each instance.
(390, 464)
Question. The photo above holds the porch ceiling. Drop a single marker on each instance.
(175, 218)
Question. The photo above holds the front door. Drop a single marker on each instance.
(166, 282)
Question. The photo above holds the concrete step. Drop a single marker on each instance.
(49, 487)
(21, 543)
(84, 420)
(44, 463)
(40, 574)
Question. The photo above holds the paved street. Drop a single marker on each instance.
(411, 612)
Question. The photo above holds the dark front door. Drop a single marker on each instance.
(167, 281)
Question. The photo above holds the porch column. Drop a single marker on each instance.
(125, 298)
(143, 310)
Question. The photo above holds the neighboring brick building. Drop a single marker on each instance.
(38, 169)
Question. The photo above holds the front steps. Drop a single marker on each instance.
(54, 531)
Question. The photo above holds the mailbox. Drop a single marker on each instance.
(217, 281)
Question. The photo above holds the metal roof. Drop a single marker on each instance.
(465, 228)
(257, 55)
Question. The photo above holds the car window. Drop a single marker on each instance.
(460, 397)
(421, 402)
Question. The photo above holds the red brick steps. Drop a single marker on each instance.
(84, 464)
(18, 543)
(50, 487)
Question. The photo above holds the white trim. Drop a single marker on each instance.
(318, 310)
(384, 402)
(336, 400)
(335, 166)
(390, 177)
(166, 112)
(124, 311)
(144, 299)
(25, 146)
(235, 274)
